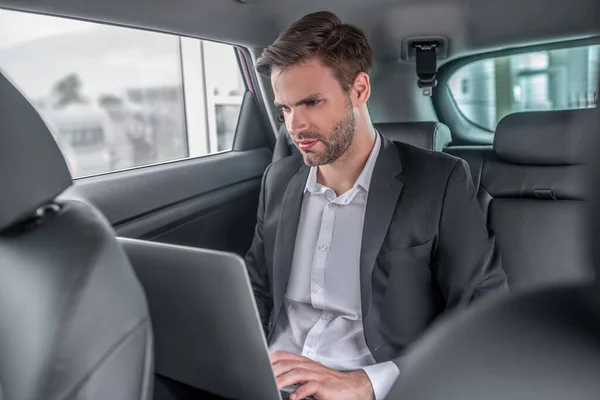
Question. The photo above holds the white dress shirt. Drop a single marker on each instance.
(321, 317)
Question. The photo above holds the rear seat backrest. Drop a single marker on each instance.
(532, 187)
(474, 156)
(427, 135)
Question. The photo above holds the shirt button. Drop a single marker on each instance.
(332, 205)
(326, 317)
(310, 354)
(323, 247)
(317, 289)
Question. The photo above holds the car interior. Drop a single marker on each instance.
(123, 120)
(534, 344)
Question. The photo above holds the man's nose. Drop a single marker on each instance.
(296, 123)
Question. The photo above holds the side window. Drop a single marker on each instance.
(118, 98)
(485, 91)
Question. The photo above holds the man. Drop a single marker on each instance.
(360, 243)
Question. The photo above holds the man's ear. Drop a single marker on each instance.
(361, 88)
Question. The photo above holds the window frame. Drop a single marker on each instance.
(465, 131)
(208, 99)
(249, 88)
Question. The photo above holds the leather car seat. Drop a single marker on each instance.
(74, 323)
(541, 343)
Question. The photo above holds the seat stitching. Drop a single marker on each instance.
(79, 288)
(112, 350)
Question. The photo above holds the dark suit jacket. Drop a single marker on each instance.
(425, 245)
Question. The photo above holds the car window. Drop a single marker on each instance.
(487, 90)
(117, 98)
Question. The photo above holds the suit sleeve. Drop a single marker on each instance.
(466, 261)
(255, 262)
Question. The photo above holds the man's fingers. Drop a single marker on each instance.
(284, 355)
(296, 376)
(308, 389)
(282, 367)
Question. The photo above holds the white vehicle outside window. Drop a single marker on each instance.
(120, 98)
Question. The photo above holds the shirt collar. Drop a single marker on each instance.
(363, 180)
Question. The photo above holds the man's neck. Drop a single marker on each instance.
(341, 175)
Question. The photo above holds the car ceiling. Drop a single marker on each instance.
(471, 25)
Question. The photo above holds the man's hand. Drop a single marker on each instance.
(314, 379)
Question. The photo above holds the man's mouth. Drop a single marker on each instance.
(307, 144)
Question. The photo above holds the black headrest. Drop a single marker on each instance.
(427, 135)
(33, 171)
(544, 137)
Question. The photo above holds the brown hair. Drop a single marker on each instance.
(341, 47)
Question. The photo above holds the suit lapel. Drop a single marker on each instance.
(384, 191)
(287, 228)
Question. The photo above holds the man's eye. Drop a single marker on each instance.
(312, 103)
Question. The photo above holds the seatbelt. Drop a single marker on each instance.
(426, 58)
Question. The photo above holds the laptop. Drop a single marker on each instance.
(207, 330)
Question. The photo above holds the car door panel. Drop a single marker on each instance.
(209, 201)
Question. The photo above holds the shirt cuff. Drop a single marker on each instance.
(382, 376)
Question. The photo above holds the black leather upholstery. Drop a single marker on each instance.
(537, 210)
(504, 180)
(426, 135)
(532, 192)
(474, 156)
(533, 345)
(540, 241)
(544, 138)
(74, 321)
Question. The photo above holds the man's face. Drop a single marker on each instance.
(319, 115)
